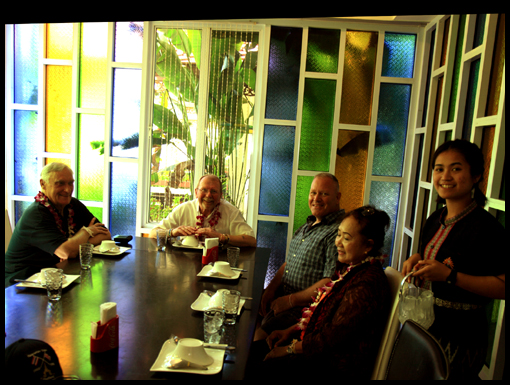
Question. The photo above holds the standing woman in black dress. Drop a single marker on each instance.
(461, 258)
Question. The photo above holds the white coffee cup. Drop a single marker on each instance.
(189, 240)
(223, 268)
(107, 246)
(192, 350)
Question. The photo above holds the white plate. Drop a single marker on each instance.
(121, 251)
(202, 303)
(181, 246)
(207, 271)
(169, 346)
(68, 279)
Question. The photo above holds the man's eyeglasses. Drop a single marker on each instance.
(205, 191)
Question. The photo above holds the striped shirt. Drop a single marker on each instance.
(312, 253)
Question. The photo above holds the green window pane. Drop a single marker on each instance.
(94, 45)
(317, 124)
(89, 183)
(302, 210)
(456, 68)
(471, 99)
(323, 48)
(390, 137)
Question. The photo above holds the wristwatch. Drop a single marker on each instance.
(452, 278)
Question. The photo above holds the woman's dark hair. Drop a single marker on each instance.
(373, 223)
(474, 157)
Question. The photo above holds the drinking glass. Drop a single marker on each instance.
(213, 320)
(161, 237)
(231, 300)
(86, 255)
(54, 278)
(233, 256)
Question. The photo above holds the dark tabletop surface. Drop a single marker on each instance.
(153, 291)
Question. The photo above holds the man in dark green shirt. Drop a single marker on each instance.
(52, 228)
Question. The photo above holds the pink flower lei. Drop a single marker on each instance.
(43, 200)
(215, 217)
(325, 290)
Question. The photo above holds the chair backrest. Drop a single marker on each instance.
(8, 230)
(417, 355)
(391, 327)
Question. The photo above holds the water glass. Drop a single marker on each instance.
(161, 237)
(54, 278)
(231, 299)
(86, 255)
(233, 256)
(213, 320)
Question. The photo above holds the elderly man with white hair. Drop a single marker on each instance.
(52, 228)
(210, 216)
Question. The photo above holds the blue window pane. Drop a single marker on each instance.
(129, 42)
(390, 137)
(123, 188)
(283, 73)
(27, 144)
(26, 53)
(127, 88)
(273, 235)
(276, 176)
(19, 209)
(385, 196)
(398, 59)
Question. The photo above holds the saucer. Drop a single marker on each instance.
(169, 346)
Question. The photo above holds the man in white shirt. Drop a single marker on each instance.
(209, 215)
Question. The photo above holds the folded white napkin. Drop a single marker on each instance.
(108, 311)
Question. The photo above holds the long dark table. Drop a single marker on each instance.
(153, 291)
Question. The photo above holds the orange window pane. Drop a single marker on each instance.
(358, 77)
(486, 147)
(59, 41)
(498, 65)
(351, 166)
(58, 109)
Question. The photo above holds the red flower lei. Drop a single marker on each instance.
(214, 217)
(43, 200)
(325, 290)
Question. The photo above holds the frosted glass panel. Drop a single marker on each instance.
(302, 210)
(129, 42)
(471, 99)
(317, 124)
(456, 68)
(283, 73)
(124, 179)
(351, 167)
(26, 54)
(273, 235)
(276, 176)
(89, 184)
(385, 196)
(358, 77)
(498, 66)
(322, 52)
(59, 41)
(390, 138)
(58, 108)
(398, 58)
(94, 46)
(127, 87)
(27, 144)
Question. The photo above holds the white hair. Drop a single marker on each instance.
(53, 167)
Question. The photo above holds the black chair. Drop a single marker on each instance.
(417, 355)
